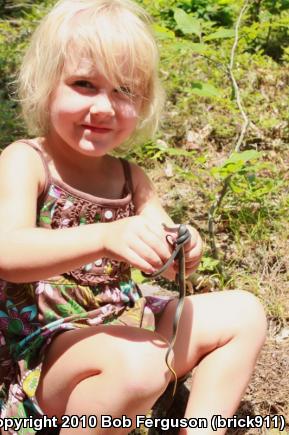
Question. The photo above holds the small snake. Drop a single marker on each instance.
(178, 253)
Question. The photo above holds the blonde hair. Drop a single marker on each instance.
(99, 30)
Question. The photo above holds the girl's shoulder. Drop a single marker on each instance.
(143, 188)
(23, 156)
(139, 177)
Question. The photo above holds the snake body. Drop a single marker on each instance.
(178, 253)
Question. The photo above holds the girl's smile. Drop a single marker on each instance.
(97, 129)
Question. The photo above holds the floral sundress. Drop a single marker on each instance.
(102, 292)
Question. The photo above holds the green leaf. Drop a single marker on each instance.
(137, 276)
(205, 90)
(243, 157)
(208, 264)
(220, 34)
(191, 47)
(235, 163)
(186, 23)
(179, 152)
(187, 175)
(236, 187)
(201, 160)
(199, 48)
(163, 32)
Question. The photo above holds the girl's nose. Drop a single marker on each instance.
(102, 106)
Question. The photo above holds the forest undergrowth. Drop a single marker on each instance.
(220, 159)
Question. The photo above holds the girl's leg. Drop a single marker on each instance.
(103, 370)
(222, 333)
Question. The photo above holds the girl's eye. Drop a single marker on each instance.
(125, 91)
(83, 84)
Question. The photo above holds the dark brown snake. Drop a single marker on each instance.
(178, 253)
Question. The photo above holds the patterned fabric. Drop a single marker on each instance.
(31, 314)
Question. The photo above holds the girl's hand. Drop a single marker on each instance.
(138, 241)
(193, 251)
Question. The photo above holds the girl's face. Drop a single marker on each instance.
(88, 113)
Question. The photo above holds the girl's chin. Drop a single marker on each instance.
(93, 147)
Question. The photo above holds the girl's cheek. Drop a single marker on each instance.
(128, 110)
(71, 104)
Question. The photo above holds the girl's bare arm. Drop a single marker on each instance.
(28, 253)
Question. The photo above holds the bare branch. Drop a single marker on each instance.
(233, 80)
(216, 205)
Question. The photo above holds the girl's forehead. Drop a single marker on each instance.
(82, 66)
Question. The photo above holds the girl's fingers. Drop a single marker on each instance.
(195, 251)
(139, 262)
(159, 245)
(147, 253)
(190, 267)
(194, 241)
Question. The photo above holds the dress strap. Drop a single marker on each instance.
(127, 174)
(34, 145)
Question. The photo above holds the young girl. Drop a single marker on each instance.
(77, 337)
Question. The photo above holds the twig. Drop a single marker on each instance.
(9, 5)
(233, 80)
(216, 205)
(211, 221)
(216, 62)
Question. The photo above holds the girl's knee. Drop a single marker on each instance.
(142, 371)
(252, 315)
(139, 388)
